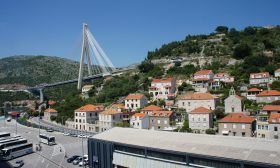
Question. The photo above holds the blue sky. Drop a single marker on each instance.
(125, 29)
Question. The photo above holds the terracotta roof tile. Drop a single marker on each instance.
(197, 96)
(271, 108)
(201, 79)
(135, 96)
(51, 102)
(221, 74)
(163, 80)
(269, 93)
(203, 72)
(201, 110)
(274, 118)
(50, 110)
(163, 113)
(239, 97)
(140, 115)
(110, 112)
(259, 75)
(254, 90)
(151, 108)
(120, 106)
(237, 118)
(90, 108)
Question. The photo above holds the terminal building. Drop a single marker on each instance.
(139, 148)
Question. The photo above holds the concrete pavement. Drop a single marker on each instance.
(49, 156)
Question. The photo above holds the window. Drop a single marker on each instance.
(232, 109)
(137, 123)
(136, 105)
(158, 127)
(130, 149)
(80, 120)
(243, 134)
(189, 103)
(212, 163)
(225, 125)
(183, 103)
(165, 121)
(167, 156)
(152, 121)
(76, 114)
(158, 121)
(263, 135)
(234, 133)
(234, 126)
(133, 123)
(275, 128)
(259, 126)
(243, 126)
(90, 114)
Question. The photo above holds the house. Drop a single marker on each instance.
(252, 93)
(237, 124)
(262, 126)
(277, 73)
(259, 78)
(268, 96)
(220, 78)
(274, 125)
(48, 113)
(160, 120)
(88, 114)
(140, 121)
(149, 109)
(202, 79)
(86, 88)
(162, 88)
(135, 101)
(233, 103)
(126, 116)
(108, 119)
(201, 118)
(268, 109)
(191, 101)
(119, 107)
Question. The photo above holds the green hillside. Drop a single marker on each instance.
(34, 70)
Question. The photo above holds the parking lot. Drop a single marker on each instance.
(49, 156)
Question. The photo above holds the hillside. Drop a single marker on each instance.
(34, 70)
(240, 53)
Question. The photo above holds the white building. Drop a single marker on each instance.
(87, 114)
(140, 121)
(202, 79)
(86, 88)
(108, 119)
(233, 103)
(162, 88)
(135, 101)
(48, 113)
(259, 78)
(277, 73)
(268, 96)
(191, 101)
(220, 78)
(201, 119)
(252, 93)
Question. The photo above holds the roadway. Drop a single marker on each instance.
(49, 156)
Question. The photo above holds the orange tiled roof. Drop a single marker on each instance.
(140, 115)
(271, 108)
(203, 72)
(90, 108)
(201, 110)
(239, 97)
(254, 90)
(51, 102)
(201, 79)
(221, 74)
(163, 80)
(110, 112)
(274, 118)
(237, 118)
(151, 108)
(262, 74)
(120, 106)
(269, 93)
(163, 113)
(134, 96)
(50, 110)
(197, 96)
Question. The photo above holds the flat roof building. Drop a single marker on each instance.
(138, 148)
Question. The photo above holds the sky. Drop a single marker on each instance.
(125, 29)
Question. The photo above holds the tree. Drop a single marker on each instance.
(210, 131)
(220, 113)
(222, 29)
(146, 66)
(241, 51)
(53, 118)
(186, 127)
(275, 85)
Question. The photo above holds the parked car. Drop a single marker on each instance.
(71, 159)
(77, 160)
(82, 136)
(83, 163)
(49, 130)
(66, 133)
(19, 163)
(73, 135)
(9, 119)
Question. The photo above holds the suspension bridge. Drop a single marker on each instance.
(93, 56)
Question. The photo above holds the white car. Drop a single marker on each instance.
(82, 136)
(66, 133)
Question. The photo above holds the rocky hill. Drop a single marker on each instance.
(34, 70)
